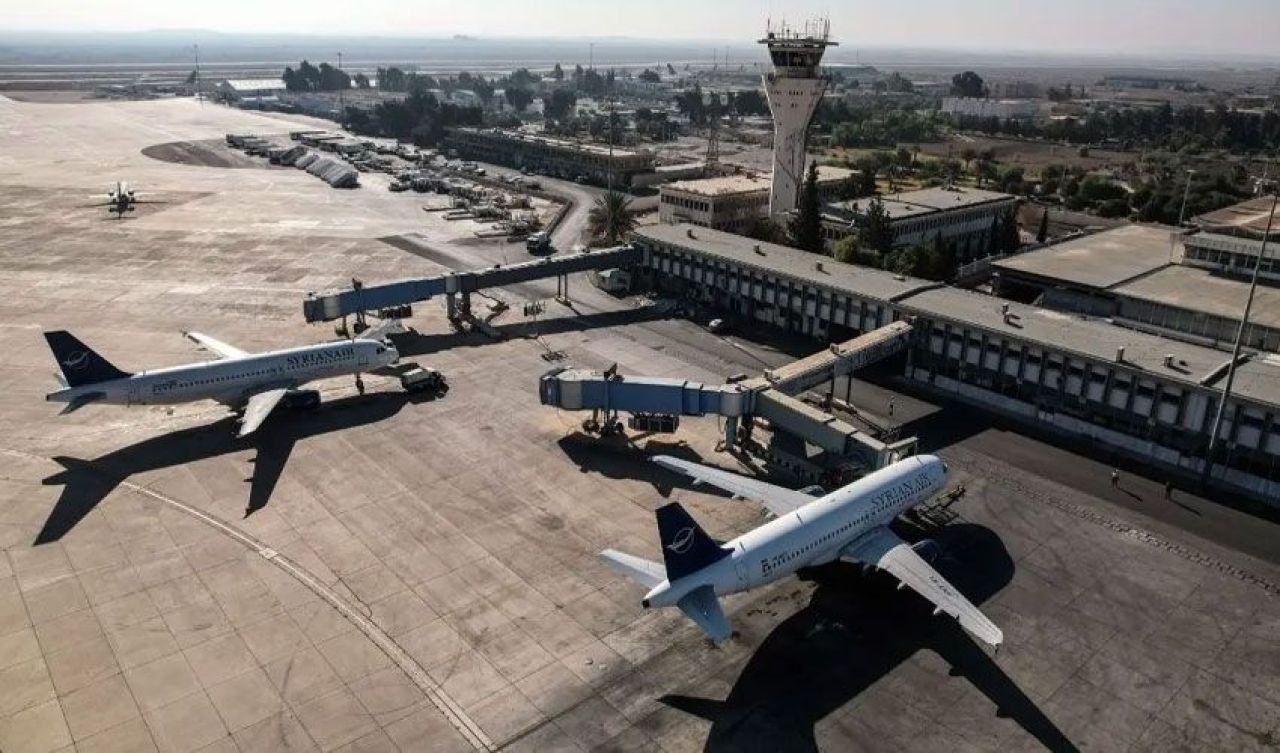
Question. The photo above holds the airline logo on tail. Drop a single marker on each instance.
(76, 360)
(682, 541)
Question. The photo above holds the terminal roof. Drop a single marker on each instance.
(782, 260)
(1101, 260)
(924, 201)
(726, 185)
(1201, 290)
(1249, 216)
(1098, 340)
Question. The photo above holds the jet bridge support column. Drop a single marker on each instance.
(730, 432)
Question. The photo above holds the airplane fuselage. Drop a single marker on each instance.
(814, 534)
(231, 380)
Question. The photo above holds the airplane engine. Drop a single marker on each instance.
(927, 549)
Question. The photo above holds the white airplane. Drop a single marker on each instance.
(254, 383)
(851, 523)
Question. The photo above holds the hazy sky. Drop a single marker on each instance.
(1243, 27)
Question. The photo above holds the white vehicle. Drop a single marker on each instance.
(851, 523)
(252, 383)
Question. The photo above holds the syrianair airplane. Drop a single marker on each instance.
(851, 523)
(252, 382)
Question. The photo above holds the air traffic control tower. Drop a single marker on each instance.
(794, 89)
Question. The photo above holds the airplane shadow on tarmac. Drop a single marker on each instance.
(854, 631)
(85, 483)
(419, 344)
(629, 458)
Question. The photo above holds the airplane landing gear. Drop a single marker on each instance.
(359, 384)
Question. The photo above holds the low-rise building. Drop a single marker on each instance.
(962, 217)
(733, 203)
(1004, 109)
(237, 89)
(562, 158)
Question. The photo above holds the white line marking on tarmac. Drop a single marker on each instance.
(450, 708)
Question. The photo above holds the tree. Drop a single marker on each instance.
(559, 104)
(806, 224)
(523, 79)
(557, 73)
(649, 76)
(519, 98)
(850, 251)
(877, 230)
(1042, 234)
(483, 89)
(968, 84)
(361, 81)
(899, 84)
(750, 102)
(391, 79)
(611, 218)
(191, 77)
(332, 79)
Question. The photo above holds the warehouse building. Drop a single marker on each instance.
(963, 217)
(733, 203)
(1152, 397)
(550, 156)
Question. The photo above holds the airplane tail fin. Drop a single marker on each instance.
(80, 364)
(686, 548)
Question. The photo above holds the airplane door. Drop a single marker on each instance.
(741, 566)
(362, 358)
(135, 395)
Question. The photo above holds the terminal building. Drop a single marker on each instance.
(1152, 397)
(734, 203)
(1230, 240)
(1143, 277)
(961, 216)
(561, 158)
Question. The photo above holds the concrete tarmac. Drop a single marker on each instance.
(397, 573)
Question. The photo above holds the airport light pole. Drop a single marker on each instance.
(1186, 191)
(1235, 350)
(342, 103)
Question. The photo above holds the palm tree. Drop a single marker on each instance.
(611, 218)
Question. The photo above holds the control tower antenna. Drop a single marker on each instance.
(794, 88)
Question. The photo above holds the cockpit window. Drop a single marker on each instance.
(381, 349)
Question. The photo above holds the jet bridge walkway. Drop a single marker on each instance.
(769, 397)
(360, 298)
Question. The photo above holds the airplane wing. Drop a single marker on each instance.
(380, 331)
(259, 407)
(886, 551)
(702, 606)
(219, 348)
(778, 499)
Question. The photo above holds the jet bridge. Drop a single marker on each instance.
(324, 307)
(769, 397)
